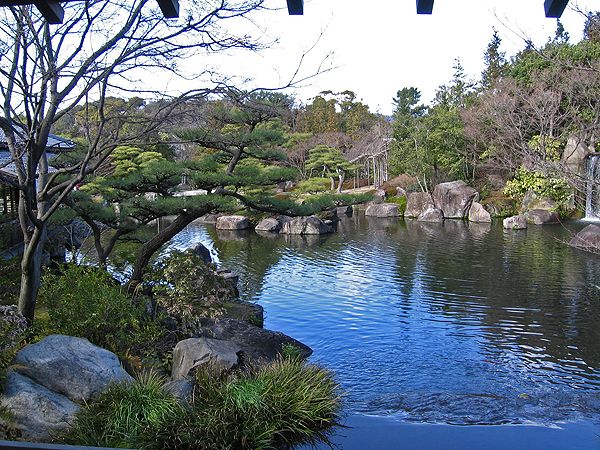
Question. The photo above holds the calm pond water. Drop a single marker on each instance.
(455, 324)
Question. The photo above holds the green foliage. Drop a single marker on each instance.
(188, 288)
(130, 159)
(126, 414)
(547, 147)
(400, 201)
(10, 279)
(12, 334)
(327, 160)
(290, 351)
(314, 185)
(85, 302)
(525, 180)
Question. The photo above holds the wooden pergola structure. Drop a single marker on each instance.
(53, 11)
(553, 8)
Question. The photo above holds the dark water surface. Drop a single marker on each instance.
(455, 324)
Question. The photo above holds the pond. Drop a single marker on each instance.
(456, 325)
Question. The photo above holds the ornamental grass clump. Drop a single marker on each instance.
(125, 414)
(283, 403)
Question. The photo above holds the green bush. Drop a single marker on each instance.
(10, 279)
(125, 414)
(400, 201)
(285, 402)
(314, 185)
(85, 302)
(12, 335)
(188, 288)
(543, 185)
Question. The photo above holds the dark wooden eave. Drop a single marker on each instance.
(553, 8)
(54, 13)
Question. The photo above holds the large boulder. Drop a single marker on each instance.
(515, 223)
(378, 196)
(203, 252)
(35, 411)
(382, 210)
(271, 225)
(417, 203)
(477, 213)
(256, 343)
(232, 223)
(575, 154)
(191, 353)
(306, 225)
(542, 217)
(431, 215)
(587, 239)
(344, 211)
(70, 366)
(533, 201)
(454, 198)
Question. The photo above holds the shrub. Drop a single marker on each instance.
(187, 287)
(10, 278)
(86, 302)
(314, 185)
(125, 414)
(12, 334)
(543, 185)
(400, 201)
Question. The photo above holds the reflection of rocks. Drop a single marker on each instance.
(479, 229)
(232, 223)
(382, 210)
(431, 215)
(430, 229)
(417, 203)
(542, 217)
(306, 225)
(344, 211)
(515, 223)
(587, 239)
(382, 223)
(454, 198)
(230, 235)
(477, 213)
(300, 241)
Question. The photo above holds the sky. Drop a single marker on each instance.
(377, 47)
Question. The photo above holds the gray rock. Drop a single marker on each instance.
(70, 366)
(203, 252)
(477, 213)
(515, 223)
(382, 210)
(37, 412)
(344, 211)
(417, 203)
(532, 201)
(542, 217)
(256, 343)
(454, 198)
(587, 239)
(575, 154)
(232, 223)
(400, 192)
(208, 218)
(246, 311)
(271, 225)
(306, 225)
(180, 389)
(330, 214)
(193, 352)
(431, 215)
(378, 196)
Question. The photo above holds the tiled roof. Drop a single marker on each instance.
(55, 142)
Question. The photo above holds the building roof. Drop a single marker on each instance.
(55, 143)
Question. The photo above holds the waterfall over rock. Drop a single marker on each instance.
(592, 201)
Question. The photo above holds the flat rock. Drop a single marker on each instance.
(70, 366)
(382, 210)
(232, 223)
(542, 217)
(477, 213)
(417, 203)
(587, 239)
(37, 412)
(193, 352)
(454, 198)
(256, 343)
(515, 223)
(344, 210)
(306, 225)
(271, 225)
(431, 215)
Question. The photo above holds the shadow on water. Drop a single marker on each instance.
(451, 323)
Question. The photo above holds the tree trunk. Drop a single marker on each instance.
(341, 182)
(332, 183)
(150, 247)
(31, 273)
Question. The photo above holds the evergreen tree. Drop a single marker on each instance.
(495, 61)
